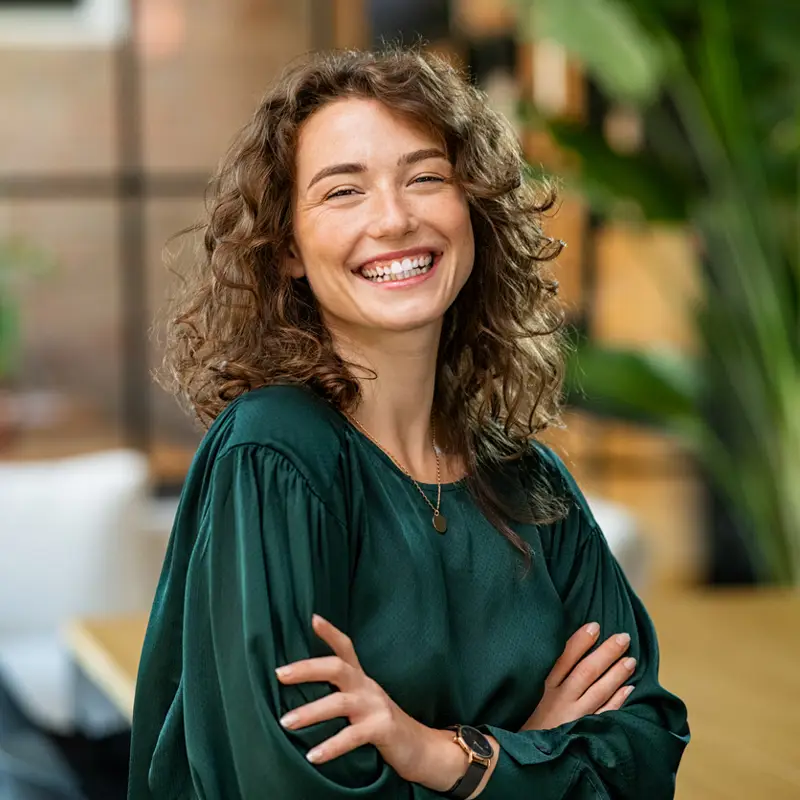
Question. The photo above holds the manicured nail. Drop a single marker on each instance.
(623, 639)
(592, 629)
(283, 672)
(629, 690)
(316, 618)
(629, 663)
(314, 755)
(287, 720)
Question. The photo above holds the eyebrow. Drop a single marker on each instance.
(354, 167)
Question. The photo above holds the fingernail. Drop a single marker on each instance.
(314, 755)
(629, 690)
(316, 618)
(592, 629)
(623, 639)
(629, 663)
(283, 672)
(288, 719)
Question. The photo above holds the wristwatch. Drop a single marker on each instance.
(479, 750)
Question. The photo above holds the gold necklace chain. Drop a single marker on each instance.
(439, 520)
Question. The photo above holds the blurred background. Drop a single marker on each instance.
(673, 131)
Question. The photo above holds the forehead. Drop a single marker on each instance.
(358, 130)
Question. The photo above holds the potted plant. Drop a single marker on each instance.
(18, 261)
(716, 89)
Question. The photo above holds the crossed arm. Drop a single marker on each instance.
(577, 685)
(250, 594)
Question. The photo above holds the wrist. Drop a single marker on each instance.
(496, 748)
(443, 762)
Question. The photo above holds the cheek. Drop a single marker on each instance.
(325, 243)
(455, 215)
(466, 236)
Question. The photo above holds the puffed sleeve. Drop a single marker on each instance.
(269, 554)
(629, 754)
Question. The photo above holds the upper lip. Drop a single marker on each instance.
(394, 255)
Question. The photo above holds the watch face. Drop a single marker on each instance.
(477, 741)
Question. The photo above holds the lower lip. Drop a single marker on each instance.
(412, 281)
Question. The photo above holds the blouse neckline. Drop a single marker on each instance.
(381, 454)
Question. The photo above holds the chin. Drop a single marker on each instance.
(408, 322)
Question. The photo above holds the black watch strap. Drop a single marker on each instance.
(470, 780)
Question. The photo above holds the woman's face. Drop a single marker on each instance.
(380, 230)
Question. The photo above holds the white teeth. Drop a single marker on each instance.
(399, 270)
(397, 277)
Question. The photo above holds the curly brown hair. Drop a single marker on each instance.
(241, 322)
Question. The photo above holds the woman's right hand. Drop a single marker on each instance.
(579, 686)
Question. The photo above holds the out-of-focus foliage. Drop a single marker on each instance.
(18, 261)
(717, 84)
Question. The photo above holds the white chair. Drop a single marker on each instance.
(624, 537)
(71, 544)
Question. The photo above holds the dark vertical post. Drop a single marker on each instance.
(595, 112)
(131, 240)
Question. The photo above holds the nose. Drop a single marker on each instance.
(392, 216)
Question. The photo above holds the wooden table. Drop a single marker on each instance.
(732, 655)
(107, 651)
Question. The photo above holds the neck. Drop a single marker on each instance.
(396, 406)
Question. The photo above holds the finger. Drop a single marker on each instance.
(576, 646)
(590, 668)
(605, 687)
(615, 703)
(347, 739)
(340, 642)
(337, 704)
(330, 669)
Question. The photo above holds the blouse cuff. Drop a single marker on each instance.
(529, 762)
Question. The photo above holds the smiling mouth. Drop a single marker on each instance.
(399, 270)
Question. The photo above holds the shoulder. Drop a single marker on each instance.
(287, 422)
(545, 462)
(547, 472)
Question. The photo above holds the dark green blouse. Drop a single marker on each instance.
(289, 510)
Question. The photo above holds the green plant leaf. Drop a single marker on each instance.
(19, 260)
(607, 38)
(9, 336)
(722, 151)
(662, 195)
(655, 387)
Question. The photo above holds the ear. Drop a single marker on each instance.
(293, 264)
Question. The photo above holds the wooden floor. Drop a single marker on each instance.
(734, 658)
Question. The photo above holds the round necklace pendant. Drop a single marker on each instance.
(440, 522)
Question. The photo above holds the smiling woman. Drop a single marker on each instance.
(399, 187)
(373, 341)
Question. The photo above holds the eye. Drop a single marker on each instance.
(340, 193)
(429, 178)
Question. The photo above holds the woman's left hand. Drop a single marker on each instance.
(405, 744)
